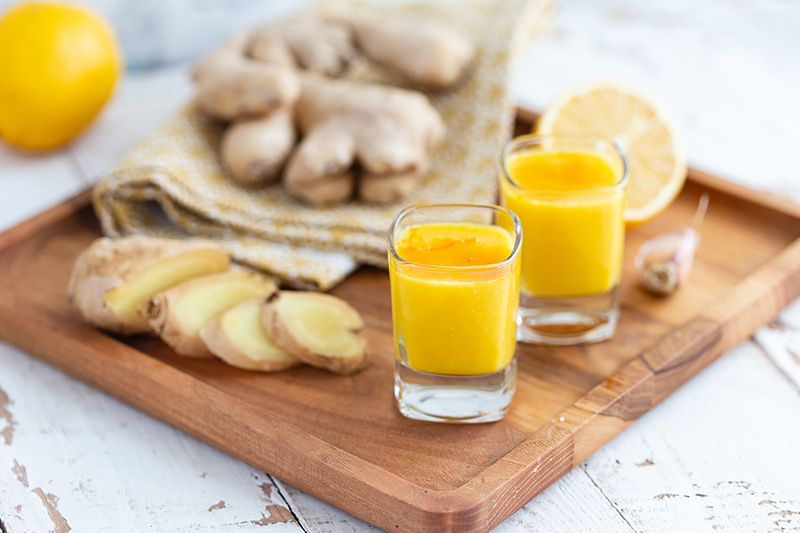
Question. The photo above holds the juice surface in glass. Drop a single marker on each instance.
(455, 321)
(571, 214)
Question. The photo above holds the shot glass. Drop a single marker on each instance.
(454, 272)
(569, 193)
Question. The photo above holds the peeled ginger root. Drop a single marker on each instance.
(319, 329)
(177, 314)
(237, 337)
(113, 277)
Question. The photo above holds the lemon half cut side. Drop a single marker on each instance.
(656, 159)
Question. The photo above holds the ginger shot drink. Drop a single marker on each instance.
(569, 194)
(454, 271)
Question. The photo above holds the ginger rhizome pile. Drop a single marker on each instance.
(363, 140)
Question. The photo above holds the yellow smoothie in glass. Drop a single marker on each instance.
(452, 315)
(571, 217)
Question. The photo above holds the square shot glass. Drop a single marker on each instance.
(455, 316)
(569, 192)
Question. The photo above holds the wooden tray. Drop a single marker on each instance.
(341, 438)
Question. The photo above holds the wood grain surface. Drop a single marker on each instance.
(341, 438)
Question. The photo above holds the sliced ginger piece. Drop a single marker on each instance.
(237, 337)
(177, 314)
(319, 329)
(125, 300)
(112, 277)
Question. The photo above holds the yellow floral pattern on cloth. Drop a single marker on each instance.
(173, 184)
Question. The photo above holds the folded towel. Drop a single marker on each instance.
(172, 183)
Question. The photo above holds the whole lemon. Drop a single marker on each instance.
(58, 65)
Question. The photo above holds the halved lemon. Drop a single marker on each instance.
(656, 160)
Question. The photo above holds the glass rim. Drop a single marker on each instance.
(621, 183)
(515, 250)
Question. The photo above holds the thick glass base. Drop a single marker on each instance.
(454, 399)
(566, 321)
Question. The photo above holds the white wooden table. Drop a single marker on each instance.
(721, 453)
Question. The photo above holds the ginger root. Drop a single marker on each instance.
(358, 131)
(237, 337)
(255, 150)
(231, 85)
(113, 277)
(425, 54)
(319, 329)
(315, 44)
(176, 315)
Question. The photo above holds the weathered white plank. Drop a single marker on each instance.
(782, 346)
(316, 516)
(572, 504)
(141, 102)
(717, 454)
(72, 457)
(30, 182)
(790, 315)
(24, 508)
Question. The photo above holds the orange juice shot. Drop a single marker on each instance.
(569, 194)
(454, 273)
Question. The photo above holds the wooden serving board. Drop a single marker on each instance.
(342, 440)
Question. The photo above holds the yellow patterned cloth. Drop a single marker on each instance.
(172, 182)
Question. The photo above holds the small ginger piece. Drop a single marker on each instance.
(237, 337)
(387, 188)
(381, 131)
(231, 85)
(320, 171)
(255, 150)
(316, 44)
(176, 315)
(319, 329)
(113, 277)
(425, 54)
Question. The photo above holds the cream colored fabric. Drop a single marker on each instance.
(172, 182)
